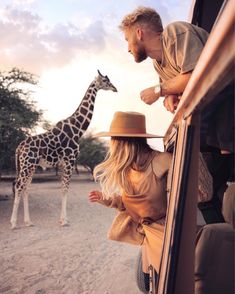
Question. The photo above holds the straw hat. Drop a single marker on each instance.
(127, 124)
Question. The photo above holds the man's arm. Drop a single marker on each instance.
(174, 86)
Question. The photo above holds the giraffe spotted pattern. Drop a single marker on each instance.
(58, 147)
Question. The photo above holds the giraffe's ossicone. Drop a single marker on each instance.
(58, 147)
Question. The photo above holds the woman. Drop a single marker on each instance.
(133, 180)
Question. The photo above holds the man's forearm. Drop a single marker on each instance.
(175, 85)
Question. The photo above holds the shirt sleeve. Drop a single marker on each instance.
(187, 50)
(113, 202)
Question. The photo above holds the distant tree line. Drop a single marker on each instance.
(92, 152)
(19, 116)
(18, 113)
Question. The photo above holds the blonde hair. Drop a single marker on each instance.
(124, 154)
(142, 15)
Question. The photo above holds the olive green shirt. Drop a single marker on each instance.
(182, 44)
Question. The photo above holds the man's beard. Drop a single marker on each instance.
(140, 55)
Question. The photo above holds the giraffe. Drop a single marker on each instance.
(56, 147)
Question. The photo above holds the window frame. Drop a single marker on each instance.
(213, 72)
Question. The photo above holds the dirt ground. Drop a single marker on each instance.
(77, 259)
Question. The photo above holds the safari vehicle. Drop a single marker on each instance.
(214, 71)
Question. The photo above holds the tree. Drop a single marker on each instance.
(92, 152)
(18, 114)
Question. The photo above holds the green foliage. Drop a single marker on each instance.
(18, 114)
(92, 152)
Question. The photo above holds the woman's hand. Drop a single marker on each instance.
(95, 196)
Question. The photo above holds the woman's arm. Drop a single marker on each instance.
(113, 202)
(161, 163)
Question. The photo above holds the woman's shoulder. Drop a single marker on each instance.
(161, 163)
(162, 156)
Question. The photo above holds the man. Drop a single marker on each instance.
(175, 51)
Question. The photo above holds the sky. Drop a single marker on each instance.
(64, 42)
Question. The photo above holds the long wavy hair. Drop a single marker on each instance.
(124, 154)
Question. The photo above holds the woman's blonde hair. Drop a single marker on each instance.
(124, 154)
(142, 15)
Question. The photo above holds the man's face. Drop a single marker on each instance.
(135, 46)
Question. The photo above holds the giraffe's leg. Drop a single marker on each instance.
(27, 219)
(66, 176)
(63, 215)
(18, 193)
(20, 186)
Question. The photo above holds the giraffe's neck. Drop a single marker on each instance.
(83, 115)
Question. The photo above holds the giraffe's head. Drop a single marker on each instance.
(103, 82)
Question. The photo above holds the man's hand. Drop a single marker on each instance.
(171, 102)
(148, 95)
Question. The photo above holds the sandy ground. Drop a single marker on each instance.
(47, 258)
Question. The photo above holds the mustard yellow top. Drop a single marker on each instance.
(152, 203)
(148, 200)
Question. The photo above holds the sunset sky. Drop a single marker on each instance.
(64, 42)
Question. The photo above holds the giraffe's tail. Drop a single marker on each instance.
(17, 164)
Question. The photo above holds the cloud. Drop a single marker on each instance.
(27, 42)
(22, 2)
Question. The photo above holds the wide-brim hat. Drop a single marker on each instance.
(127, 124)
